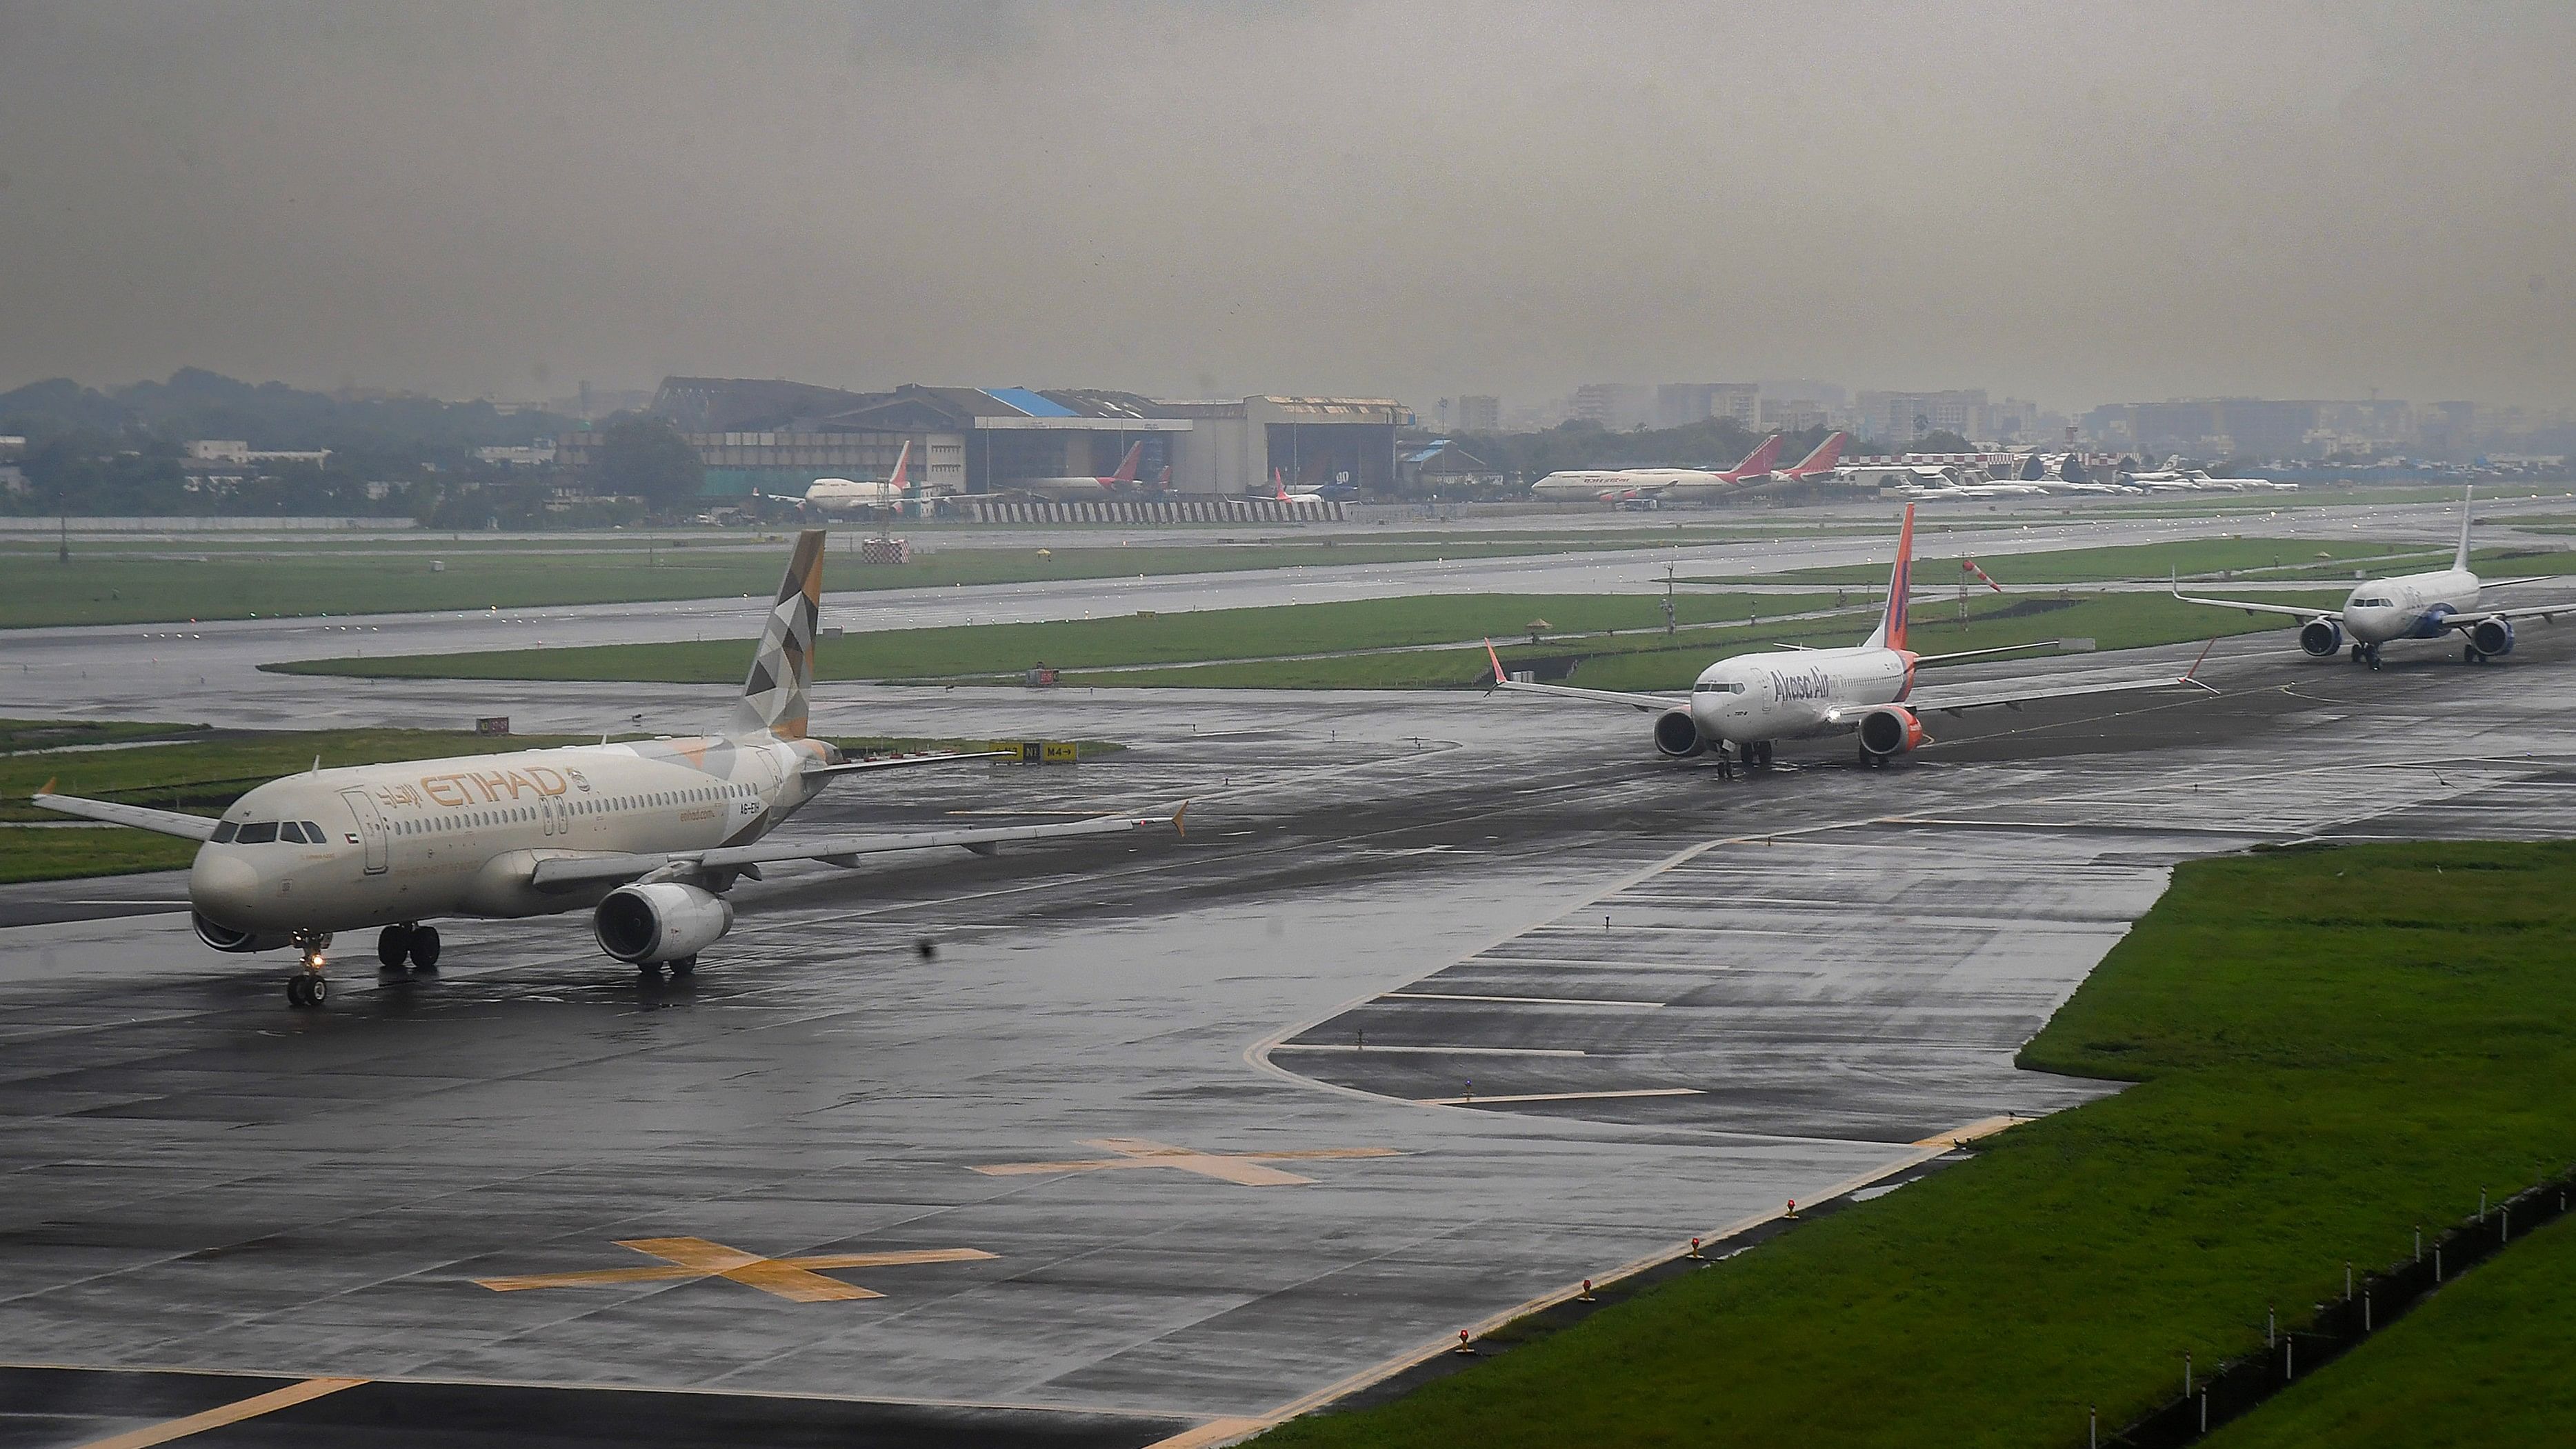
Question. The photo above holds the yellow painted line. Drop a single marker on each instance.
(1244, 1169)
(1211, 1434)
(795, 1279)
(1560, 1096)
(1970, 1132)
(218, 1417)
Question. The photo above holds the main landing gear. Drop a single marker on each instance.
(308, 987)
(2469, 655)
(681, 969)
(407, 942)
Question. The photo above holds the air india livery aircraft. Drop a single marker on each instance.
(647, 836)
(1092, 487)
(844, 495)
(1618, 485)
(1747, 702)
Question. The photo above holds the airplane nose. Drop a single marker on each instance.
(224, 887)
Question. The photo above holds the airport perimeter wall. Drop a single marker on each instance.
(189, 524)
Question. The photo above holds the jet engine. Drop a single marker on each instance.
(665, 921)
(224, 938)
(2321, 638)
(2492, 636)
(1888, 732)
(1677, 735)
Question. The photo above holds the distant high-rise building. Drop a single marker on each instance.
(1679, 404)
(1793, 414)
(1618, 406)
(1901, 417)
(1478, 413)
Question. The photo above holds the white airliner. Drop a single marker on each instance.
(1280, 494)
(1747, 702)
(647, 836)
(2411, 606)
(1675, 485)
(1077, 488)
(844, 495)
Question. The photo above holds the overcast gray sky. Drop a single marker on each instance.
(2079, 203)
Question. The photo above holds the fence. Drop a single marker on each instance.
(1142, 510)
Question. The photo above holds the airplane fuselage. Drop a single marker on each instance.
(2414, 606)
(1791, 694)
(459, 837)
(843, 495)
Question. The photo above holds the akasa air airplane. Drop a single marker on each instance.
(2412, 606)
(1746, 703)
(647, 836)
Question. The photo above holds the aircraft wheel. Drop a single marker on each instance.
(2469, 655)
(305, 990)
(392, 943)
(2356, 654)
(685, 966)
(648, 971)
(2372, 658)
(424, 948)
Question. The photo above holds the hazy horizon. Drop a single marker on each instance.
(2076, 205)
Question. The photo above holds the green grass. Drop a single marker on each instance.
(2490, 1359)
(2330, 1046)
(115, 588)
(1009, 649)
(2263, 558)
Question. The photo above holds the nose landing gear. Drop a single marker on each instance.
(308, 987)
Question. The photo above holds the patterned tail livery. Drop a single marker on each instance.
(1890, 633)
(782, 673)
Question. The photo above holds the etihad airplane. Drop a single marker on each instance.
(1620, 485)
(2410, 606)
(1076, 488)
(646, 836)
(844, 495)
(1745, 703)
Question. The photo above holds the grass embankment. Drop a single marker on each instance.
(205, 770)
(2202, 559)
(2330, 1047)
(127, 589)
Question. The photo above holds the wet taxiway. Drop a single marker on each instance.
(1442, 1005)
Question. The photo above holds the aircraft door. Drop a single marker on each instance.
(371, 829)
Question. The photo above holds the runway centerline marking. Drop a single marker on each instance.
(1245, 1169)
(223, 1414)
(798, 1280)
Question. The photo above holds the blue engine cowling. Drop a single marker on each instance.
(2492, 636)
(2321, 638)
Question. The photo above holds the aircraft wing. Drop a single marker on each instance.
(2526, 579)
(2249, 606)
(1568, 691)
(2533, 611)
(2008, 694)
(899, 762)
(842, 850)
(163, 822)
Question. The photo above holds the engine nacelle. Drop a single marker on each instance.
(665, 921)
(2492, 636)
(1677, 735)
(1890, 731)
(2321, 638)
(225, 938)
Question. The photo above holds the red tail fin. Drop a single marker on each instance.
(1890, 633)
(902, 465)
(1758, 461)
(1827, 454)
(1126, 467)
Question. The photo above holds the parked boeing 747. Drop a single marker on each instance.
(2412, 606)
(1745, 703)
(647, 836)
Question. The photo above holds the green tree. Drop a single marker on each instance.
(647, 458)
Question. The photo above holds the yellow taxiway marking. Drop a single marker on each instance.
(1970, 1132)
(1243, 1168)
(798, 1280)
(1211, 1433)
(1559, 1096)
(222, 1414)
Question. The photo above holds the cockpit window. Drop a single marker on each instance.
(290, 832)
(258, 832)
(224, 833)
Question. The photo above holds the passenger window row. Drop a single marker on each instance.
(477, 818)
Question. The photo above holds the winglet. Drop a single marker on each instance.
(46, 788)
(1499, 676)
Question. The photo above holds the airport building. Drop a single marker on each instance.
(777, 437)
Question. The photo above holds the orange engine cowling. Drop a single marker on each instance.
(1889, 731)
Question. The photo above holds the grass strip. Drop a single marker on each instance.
(2329, 1046)
(2201, 558)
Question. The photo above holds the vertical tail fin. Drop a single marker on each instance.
(1127, 466)
(902, 465)
(2460, 560)
(1827, 454)
(1758, 461)
(1890, 633)
(782, 672)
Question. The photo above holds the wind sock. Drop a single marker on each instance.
(1969, 565)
